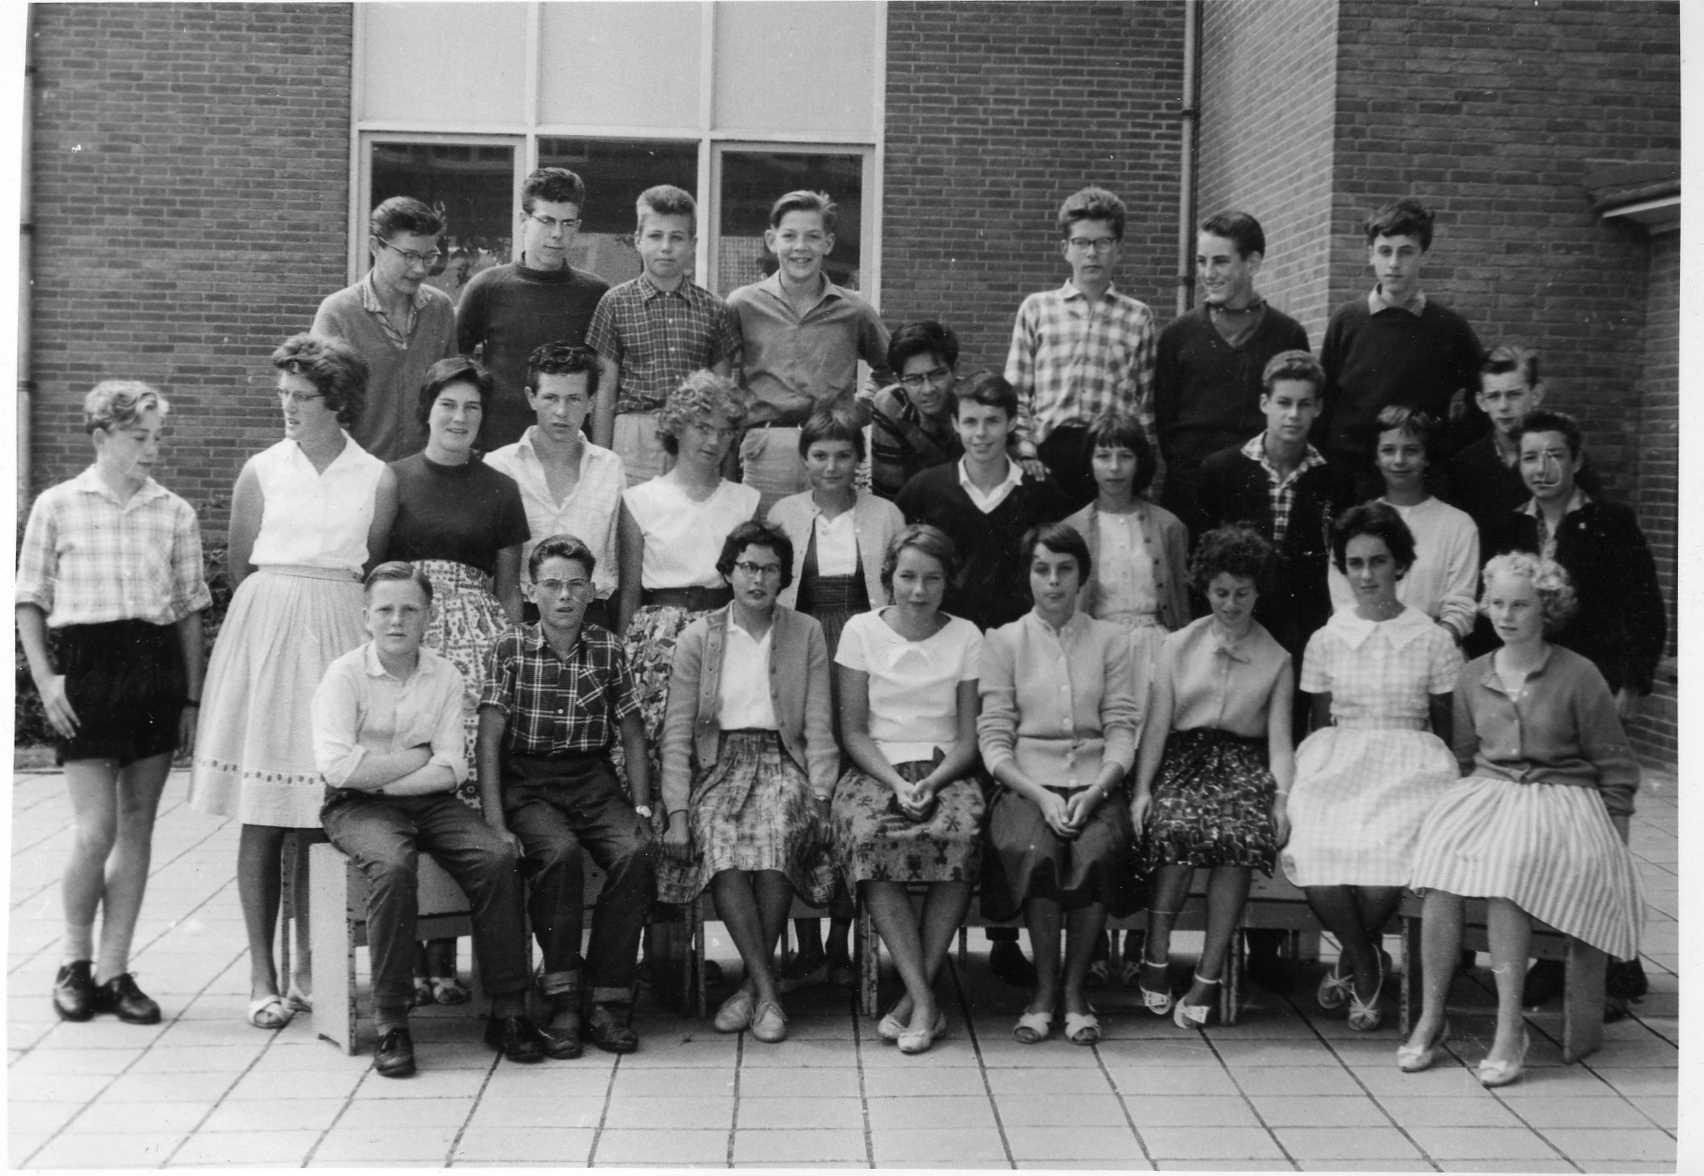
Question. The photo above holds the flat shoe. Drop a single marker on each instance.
(769, 1023)
(1411, 1059)
(916, 1041)
(1033, 1028)
(735, 1013)
(890, 1028)
(1493, 1074)
(1082, 1028)
(269, 1012)
(297, 1001)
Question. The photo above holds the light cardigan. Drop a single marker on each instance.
(798, 689)
(874, 521)
(1445, 574)
(1061, 703)
(1168, 547)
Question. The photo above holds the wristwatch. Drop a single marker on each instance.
(643, 810)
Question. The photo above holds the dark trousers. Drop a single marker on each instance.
(383, 836)
(561, 808)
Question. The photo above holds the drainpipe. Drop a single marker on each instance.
(26, 241)
(1187, 117)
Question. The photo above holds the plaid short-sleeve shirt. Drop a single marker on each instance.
(1280, 491)
(659, 336)
(1071, 360)
(555, 705)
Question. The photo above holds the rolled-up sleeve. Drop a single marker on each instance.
(337, 724)
(997, 725)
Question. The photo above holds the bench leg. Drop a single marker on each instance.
(867, 950)
(1582, 1000)
(331, 933)
(1230, 992)
(1408, 1007)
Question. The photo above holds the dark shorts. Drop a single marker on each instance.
(125, 681)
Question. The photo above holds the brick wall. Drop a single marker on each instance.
(1657, 495)
(1267, 135)
(190, 169)
(996, 113)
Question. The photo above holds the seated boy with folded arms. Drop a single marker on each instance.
(555, 696)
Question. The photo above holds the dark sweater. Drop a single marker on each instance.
(992, 587)
(1621, 625)
(1394, 357)
(467, 513)
(508, 310)
(1234, 489)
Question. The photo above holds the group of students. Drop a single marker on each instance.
(1023, 695)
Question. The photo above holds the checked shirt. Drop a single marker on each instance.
(1073, 362)
(659, 337)
(558, 706)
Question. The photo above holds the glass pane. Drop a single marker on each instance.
(471, 185)
(782, 67)
(615, 173)
(440, 65)
(619, 65)
(753, 180)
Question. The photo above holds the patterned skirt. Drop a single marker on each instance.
(874, 842)
(466, 622)
(1212, 803)
(1360, 797)
(254, 747)
(832, 600)
(650, 644)
(753, 810)
(1548, 848)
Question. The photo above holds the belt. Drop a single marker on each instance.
(694, 599)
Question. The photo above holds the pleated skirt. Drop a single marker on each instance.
(254, 747)
(1548, 848)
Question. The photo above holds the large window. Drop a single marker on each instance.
(737, 102)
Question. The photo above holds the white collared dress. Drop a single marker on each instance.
(1365, 784)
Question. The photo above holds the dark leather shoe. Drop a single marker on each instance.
(607, 1026)
(1006, 960)
(133, 1006)
(74, 991)
(395, 1055)
(516, 1038)
(562, 1040)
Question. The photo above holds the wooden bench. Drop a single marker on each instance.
(1273, 905)
(1584, 968)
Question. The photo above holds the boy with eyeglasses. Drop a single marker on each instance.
(396, 322)
(1080, 351)
(508, 311)
(654, 331)
(911, 424)
(556, 697)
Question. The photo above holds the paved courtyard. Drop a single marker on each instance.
(1286, 1089)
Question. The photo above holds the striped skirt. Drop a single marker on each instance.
(466, 621)
(1548, 848)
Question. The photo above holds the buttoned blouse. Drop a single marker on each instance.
(683, 538)
(1445, 574)
(1060, 702)
(1225, 686)
(1560, 727)
(590, 512)
(1162, 550)
(742, 696)
(360, 708)
(913, 684)
(315, 518)
(87, 558)
(1381, 673)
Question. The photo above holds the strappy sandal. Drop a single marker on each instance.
(1033, 1028)
(269, 1012)
(1156, 1001)
(447, 990)
(1188, 1016)
(1365, 1016)
(1082, 1028)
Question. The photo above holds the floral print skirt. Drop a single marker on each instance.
(875, 842)
(1212, 804)
(466, 622)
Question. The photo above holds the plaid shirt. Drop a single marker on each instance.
(1281, 492)
(1072, 362)
(88, 558)
(371, 304)
(659, 336)
(558, 706)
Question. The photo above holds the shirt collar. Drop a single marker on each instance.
(1406, 626)
(1070, 292)
(1255, 450)
(370, 295)
(1490, 680)
(91, 482)
(1578, 500)
(1237, 650)
(374, 668)
(1069, 629)
(649, 290)
(1014, 475)
(772, 285)
(1376, 301)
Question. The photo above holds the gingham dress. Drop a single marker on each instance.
(1364, 785)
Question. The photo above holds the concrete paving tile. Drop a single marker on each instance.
(21, 1144)
(1282, 1110)
(1444, 1080)
(1210, 1142)
(1586, 1146)
(166, 1059)
(512, 1112)
(1664, 1112)
(819, 1082)
(1085, 1142)
(780, 1114)
(948, 1052)
(1166, 1054)
(1192, 1080)
(1363, 1165)
(660, 1146)
(674, 1052)
(1575, 1082)
(72, 1089)
(354, 1141)
(1336, 1143)
(1266, 1051)
(665, 1081)
(791, 1053)
(1630, 1166)
(1544, 1113)
(253, 1147)
(1447, 1111)
(1482, 1143)
(104, 1116)
(572, 1079)
(425, 1083)
(1167, 1110)
(912, 1111)
(713, 1110)
(39, 1118)
(1301, 1080)
(1221, 1165)
(1054, 1080)
(46, 1060)
(186, 1087)
(841, 1146)
(1051, 1109)
(104, 1034)
(285, 1114)
(542, 1144)
(1055, 1053)
(1110, 1164)
(328, 1084)
(408, 1112)
(937, 1147)
(139, 1149)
